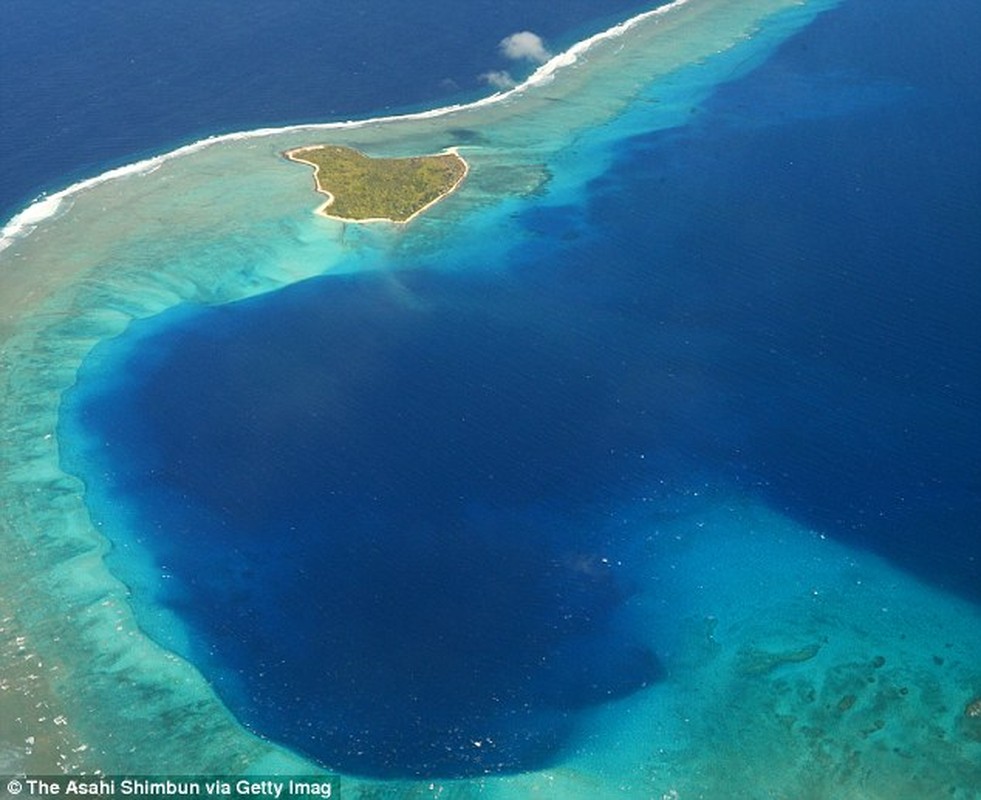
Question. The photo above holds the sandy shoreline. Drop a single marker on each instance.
(295, 154)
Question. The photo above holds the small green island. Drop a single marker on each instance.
(360, 188)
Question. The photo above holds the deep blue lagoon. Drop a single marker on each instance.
(411, 541)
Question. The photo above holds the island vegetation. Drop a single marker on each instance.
(360, 188)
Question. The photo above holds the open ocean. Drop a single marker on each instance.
(421, 519)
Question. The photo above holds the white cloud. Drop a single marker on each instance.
(499, 79)
(525, 45)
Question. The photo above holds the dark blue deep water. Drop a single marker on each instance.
(393, 525)
(396, 531)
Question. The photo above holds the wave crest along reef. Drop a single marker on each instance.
(226, 219)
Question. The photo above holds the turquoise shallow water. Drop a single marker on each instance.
(763, 624)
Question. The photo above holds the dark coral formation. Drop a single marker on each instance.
(759, 662)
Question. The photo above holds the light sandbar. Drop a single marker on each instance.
(360, 188)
